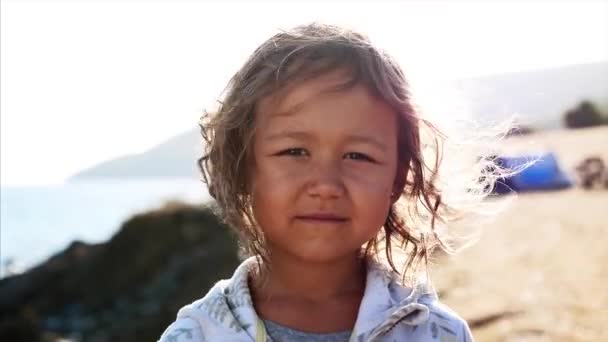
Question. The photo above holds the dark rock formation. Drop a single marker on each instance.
(127, 289)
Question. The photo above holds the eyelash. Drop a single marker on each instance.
(297, 152)
(289, 152)
(362, 156)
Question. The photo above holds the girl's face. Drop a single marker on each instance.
(324, 169)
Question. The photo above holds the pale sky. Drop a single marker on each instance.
(85, 81)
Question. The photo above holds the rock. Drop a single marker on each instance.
(127, 289)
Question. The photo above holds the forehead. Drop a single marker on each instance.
(330, 97)
(296, 94)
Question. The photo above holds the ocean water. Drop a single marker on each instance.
(38, 221)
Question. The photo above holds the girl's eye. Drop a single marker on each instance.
(295, 152)
(358, 156)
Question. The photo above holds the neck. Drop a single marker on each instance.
(295, 278)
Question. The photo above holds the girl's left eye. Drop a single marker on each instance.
(358, 156)
(294, 152)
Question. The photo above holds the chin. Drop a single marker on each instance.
(326, 254)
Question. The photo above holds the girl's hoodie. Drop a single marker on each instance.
(388, 312)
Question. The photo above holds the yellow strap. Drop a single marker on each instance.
(260, 331)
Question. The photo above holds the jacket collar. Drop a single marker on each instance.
(385, 302)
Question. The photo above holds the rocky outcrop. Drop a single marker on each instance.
(127, 289)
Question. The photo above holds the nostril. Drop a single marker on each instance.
(326, 189)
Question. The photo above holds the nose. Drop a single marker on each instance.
(326, 181)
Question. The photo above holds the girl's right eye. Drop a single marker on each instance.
(294, 152)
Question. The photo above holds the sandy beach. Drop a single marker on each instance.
(540, 270)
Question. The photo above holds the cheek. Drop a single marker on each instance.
(376, 198)
(374, 181)
(271, 189)
(274, 177)
(372, 195)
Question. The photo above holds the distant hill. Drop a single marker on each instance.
(539, 97)
(175, 158)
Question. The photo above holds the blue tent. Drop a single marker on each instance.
(536, 173)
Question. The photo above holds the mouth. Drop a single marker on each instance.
(322, 218)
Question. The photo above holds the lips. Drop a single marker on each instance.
(322, 218)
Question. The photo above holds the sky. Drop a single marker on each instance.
(86, 81)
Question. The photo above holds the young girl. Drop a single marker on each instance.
(313, 148)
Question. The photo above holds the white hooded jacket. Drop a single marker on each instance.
(388, 312)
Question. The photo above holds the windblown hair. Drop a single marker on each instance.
(304, 53)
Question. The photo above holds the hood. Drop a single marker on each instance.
(386, 302)
(227, 310)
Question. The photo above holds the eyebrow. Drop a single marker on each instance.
(367, 140)
(289, 134)
(299, 135)
(288, 112)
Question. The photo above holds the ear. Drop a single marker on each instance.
(399, 183)
(396, 192)
(250, 170)
(395, 195)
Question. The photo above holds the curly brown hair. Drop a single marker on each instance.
(304, 53)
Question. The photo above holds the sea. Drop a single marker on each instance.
(38, 221)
